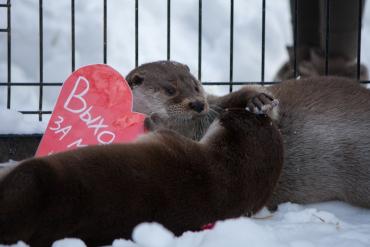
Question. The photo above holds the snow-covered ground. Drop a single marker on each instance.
(324, 224)
(13, 122)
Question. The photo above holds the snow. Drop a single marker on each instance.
(72, 242)
(13, 122)
(152, 235)
(18, 244)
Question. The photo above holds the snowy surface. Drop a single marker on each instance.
(324, 224)
(13, 122)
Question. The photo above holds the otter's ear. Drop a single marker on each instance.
(187, 67)
(135, 79)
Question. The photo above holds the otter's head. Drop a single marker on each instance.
(167, 88)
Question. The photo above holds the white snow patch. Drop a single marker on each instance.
(18, 244)
(13, 122)
(69, 242)
(123, 243)
(8, 164)
(152, 235)
(293, 225)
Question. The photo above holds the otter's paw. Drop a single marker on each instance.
(262, 104)
(154, 122)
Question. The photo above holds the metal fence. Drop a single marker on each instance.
(41, 84)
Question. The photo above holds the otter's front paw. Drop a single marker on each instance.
(262, 104)
(154, 122)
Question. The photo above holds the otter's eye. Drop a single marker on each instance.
(170, 91)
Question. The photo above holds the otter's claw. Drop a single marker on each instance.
(261, 104)
(153, 122)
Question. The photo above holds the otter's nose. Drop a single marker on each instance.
(197, 106)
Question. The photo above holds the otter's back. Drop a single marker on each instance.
(325, 122)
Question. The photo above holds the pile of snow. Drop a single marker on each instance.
(13, 122)
(324, 224)
(71, 242)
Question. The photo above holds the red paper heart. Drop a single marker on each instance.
(94, 107)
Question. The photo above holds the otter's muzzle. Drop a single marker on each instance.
(197, 106)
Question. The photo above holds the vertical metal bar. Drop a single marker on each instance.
(136, 33)
(168, 29)
(327, 37)
(73, 33)
(231, 45)
(295, 38)
(9, 57)
(359, 39)
(41, 47)
(200, 41)
(105, 32)
(263, 42)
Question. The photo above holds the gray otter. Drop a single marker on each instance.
(101, 193)
(167, 90)
(325, 127)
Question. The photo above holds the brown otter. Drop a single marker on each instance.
(100, 193)
(324, 123)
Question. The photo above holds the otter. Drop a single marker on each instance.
(167, 90)
(100, 193)
(325, 126)
(324, 122)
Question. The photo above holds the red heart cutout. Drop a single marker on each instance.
(94, 107)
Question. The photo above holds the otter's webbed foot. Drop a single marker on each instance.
(262, 104)
(154, 122)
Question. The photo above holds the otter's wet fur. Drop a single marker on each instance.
(325, 123)
(100, 193)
